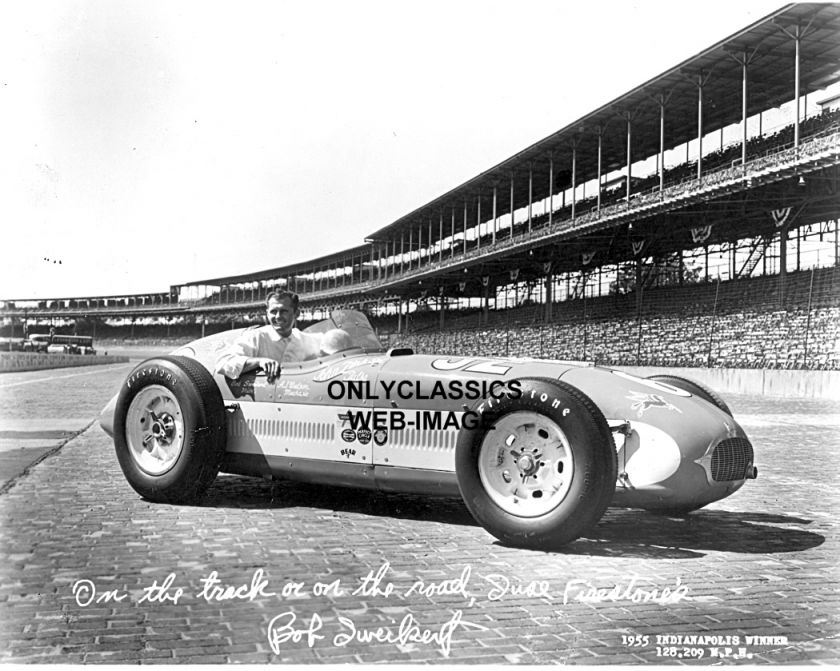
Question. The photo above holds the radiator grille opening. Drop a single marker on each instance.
(731, 459)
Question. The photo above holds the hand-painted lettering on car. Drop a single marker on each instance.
(344, 366)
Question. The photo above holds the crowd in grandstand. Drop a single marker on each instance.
(745, 327)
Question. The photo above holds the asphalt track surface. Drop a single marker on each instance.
(92, 573)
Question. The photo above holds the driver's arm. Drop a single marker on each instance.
(243, 355)
(270, 366)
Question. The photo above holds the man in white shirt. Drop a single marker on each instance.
(268, 346)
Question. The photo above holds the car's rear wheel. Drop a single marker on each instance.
(694, 387)
(538, 470)
(169, 429)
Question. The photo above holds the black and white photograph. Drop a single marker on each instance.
(384, 332)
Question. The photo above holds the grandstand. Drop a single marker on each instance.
(692, 221)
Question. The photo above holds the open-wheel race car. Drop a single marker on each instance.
(536, 448)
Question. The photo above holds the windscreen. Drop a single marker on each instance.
(359, 332)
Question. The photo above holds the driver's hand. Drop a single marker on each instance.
(271, 368)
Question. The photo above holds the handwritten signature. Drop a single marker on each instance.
(283, 629)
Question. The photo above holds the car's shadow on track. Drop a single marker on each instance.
(625, 532)
(622, 532)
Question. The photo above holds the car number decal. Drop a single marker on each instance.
(471, 366)
(653, 384)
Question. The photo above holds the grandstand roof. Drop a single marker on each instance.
(273, 273)
(767, 44)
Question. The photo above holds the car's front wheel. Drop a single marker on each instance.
(169, 429)
(538, 469)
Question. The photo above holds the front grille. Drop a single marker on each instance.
(731, 459)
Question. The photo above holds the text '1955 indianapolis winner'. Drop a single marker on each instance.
(536, 448)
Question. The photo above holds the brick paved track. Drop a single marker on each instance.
(763, 562)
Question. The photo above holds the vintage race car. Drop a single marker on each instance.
(536, 448)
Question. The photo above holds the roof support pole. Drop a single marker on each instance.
(600, 162)
(410, 247)
(700, 126)
(744, 113)
(574, 179)
(386, 258)
(629, 136)
(378, 263)
(440, 239)
(452, 237)
(661, 143)
(402, 250)
(419, 245)
(429, 244)
(511, 205)
(530, 193)
(478, 222)
(495, 195)
(796, 88)
(797, 35)
(550, 188)
(464, 248)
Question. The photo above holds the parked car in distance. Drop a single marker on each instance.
(59, 344)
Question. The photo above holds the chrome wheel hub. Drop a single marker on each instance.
(525, 464)
(154, 429)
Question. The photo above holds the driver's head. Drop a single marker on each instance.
(335, 340)
(281, 310)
